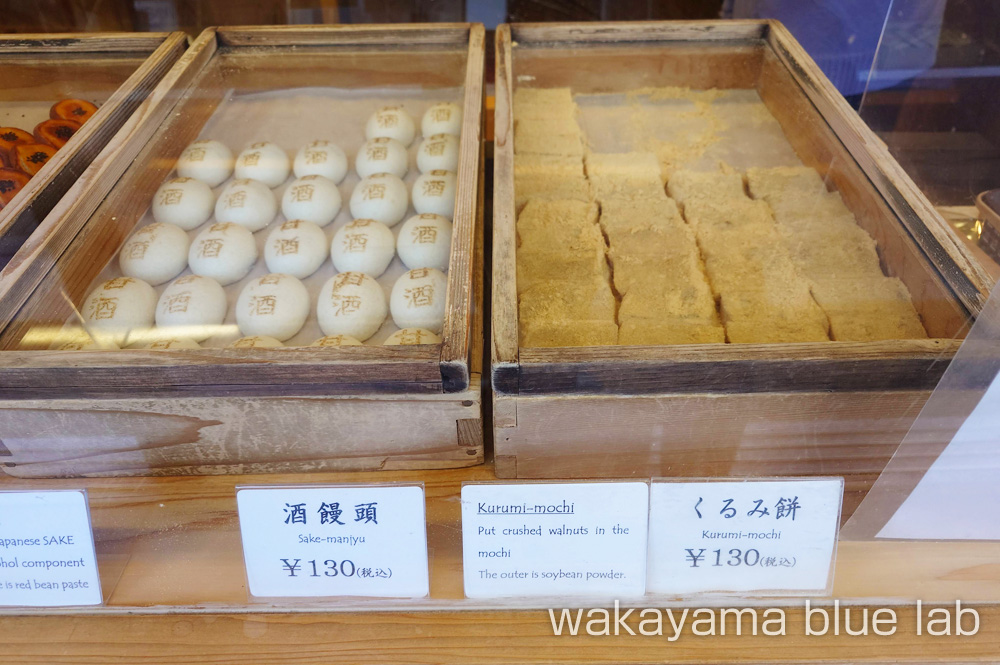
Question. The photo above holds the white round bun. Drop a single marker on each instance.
(265, 162)
(313, 198)
(442, 118)
(224, 251)
(382, 155)
(185, 202)
(434, 192)
(256, 342)
(351, 303)
(246, 202)
(382, 197)
(155, 253)
(424, 241)
(321, 158)
(85, 343)
(336, 340)
(363, 245)
(78, 339)
(208, 161)
(438, 153)
(418, 299)
(392, 122)
(191, 307)
(120, 310)
(173, 343)
(297, 248)
(274, 305)
(408, 336)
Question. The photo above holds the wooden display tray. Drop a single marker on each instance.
(115, 70)
(244, 410)
(830, 408)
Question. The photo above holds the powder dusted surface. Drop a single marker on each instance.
(680, 216)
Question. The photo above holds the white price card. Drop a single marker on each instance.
(558, 539)
(348, 540)
(754, 536)
(47, 556)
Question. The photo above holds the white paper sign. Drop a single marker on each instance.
(357, 540)
(767, 536)
(560, 539)
(47, 554)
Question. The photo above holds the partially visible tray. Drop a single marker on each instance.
(115, 71)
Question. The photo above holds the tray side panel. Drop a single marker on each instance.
(461, 298)
(75, 42)
(226, 435)
(617, 32)
(504, 332)
(731, 368)
(853, 434)
(603, 68)
(440, 34)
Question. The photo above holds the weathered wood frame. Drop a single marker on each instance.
(29, 291)
(19, 218)
(545, 397)
(725, 368)
(212, 411)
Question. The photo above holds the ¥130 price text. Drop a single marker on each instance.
(735, 557)
(332, 568)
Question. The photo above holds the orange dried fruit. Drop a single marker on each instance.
(77, 110)
(11, 182)
(31, 157)
(56, 132)
(10, 137)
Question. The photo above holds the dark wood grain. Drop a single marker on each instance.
(240, 430)
(852, 434)
(443, 34)
(82, 43)
(732, 368)
(106, 374)
(639, 31)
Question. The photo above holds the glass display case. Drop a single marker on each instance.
(699, 306)
(115, 317)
